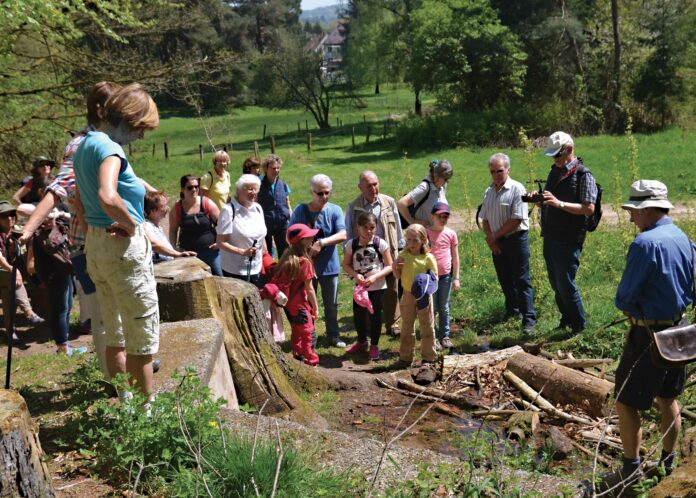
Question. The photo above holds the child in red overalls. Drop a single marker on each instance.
(294, 276)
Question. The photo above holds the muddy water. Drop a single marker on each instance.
(384, 414)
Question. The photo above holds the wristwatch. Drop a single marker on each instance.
(562, 205)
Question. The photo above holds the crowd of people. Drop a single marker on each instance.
(96, 220)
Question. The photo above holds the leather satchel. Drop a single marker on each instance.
(675, 346)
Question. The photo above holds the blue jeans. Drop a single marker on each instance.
(329, 295)
(211, 257)
(441, 300)
(512, 268)
(562, 262)
(60, 295)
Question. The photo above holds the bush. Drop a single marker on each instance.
(181, 447)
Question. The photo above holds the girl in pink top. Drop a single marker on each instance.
(445, 248)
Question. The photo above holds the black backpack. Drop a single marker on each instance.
(592, 221)
(414, 207)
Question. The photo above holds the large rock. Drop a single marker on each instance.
(682, 482)
(198, 344)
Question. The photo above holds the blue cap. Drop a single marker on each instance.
(440, 207)
(424, 286)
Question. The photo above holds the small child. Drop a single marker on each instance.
(293, 276)
(367, 259)
(444, 243)
(415, 258)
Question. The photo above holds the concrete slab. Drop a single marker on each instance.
(198, 344)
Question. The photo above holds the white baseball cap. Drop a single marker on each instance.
(555, 143)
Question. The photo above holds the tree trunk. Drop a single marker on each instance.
(377, 87)
(257, 363)
(22, 472)
(453, 363)
(181, 291)
(562, 384)
(418, 108)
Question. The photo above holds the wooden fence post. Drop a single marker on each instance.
(352, 135)
(367, 135)
(309, 142)
(273, 148)
(256, 150)
(306, 125)
(264, 133)
(200, 152)
(166, 151)
(298, 127)
(224, 147)
(130, 150)
(384, 135)
(153, 150)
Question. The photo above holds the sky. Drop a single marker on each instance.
(312, 4)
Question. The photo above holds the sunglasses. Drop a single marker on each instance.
(192, 187)
(559, 153)
(443, 215)
(323, 194)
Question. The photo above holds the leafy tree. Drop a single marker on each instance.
(292, 76)
(266, 19)
(466, 54)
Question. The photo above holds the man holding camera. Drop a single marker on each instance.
(568, 197)
(506, 223)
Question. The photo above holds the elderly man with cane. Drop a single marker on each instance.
(655, 290)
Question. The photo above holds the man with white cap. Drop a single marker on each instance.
(655, 290)
(569, 196)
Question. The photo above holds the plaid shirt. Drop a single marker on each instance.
(63, 185)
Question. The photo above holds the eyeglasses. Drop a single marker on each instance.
(325, 193)
(497, 171)
(192, 187)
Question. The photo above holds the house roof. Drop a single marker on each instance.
(335, 37)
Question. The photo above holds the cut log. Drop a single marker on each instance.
(521, 425)
(539, 400)
(257, 363)
(181, 289)
(584, 362)
(22, 470)
(562, 445)
(562, 384)
(452, 363)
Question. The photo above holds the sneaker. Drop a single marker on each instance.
(156, 364)
(338, 343)
(395, 331)
(438, 346)
(447, 343)
(527, 329)
(35, 319)
(357, 347)
(374, 353)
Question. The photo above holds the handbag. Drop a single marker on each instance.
(675, 346)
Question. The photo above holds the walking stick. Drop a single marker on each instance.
(12, 309)
(249, 262)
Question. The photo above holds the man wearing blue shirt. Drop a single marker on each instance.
(654, 292)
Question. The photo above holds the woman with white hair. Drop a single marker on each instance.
(328, 218)
(241, 232)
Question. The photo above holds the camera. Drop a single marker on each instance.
(533, 198)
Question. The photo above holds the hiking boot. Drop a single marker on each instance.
(357, 347)
(35, 319)
(527, 329)
(312, 359)
(615, 483)
(438, 346)
(447, 343)
(374, 353)
(395, 331)
(658, 469)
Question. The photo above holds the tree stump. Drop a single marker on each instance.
(257, 363)
(562, 384)
(22, 472)
(181, 289)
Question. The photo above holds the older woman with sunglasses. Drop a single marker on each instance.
(328, 218)
(192, 224)
(416, 206)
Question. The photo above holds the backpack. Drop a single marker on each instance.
(415, 206)
(592, 221)
(52, 251)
